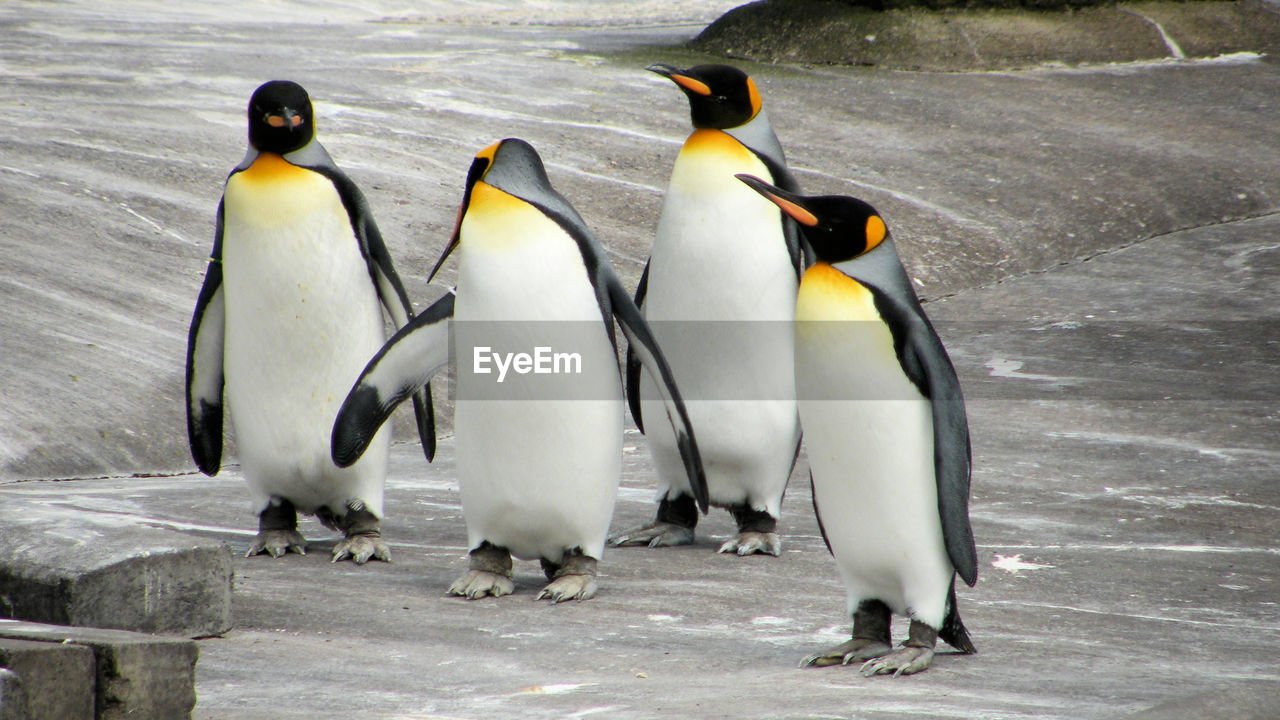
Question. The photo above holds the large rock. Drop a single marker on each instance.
(70, 567)
(987, 34)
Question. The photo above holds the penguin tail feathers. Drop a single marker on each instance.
(953, 631)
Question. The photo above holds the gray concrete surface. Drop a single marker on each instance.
(1098, 245)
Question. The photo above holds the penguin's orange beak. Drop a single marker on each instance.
(790, 204)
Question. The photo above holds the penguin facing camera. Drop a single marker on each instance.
(289, 312)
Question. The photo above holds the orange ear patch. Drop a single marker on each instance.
(693, 86)
(754, 94)
(489, 152)
(876, 231)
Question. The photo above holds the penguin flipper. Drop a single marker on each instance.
(204, 364)
(633, 361)
(926, 363)
(401, 368)
(382, 272)
(647, 353)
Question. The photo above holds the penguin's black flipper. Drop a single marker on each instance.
(402, 367)
(640, 339)
(204, 364)
(927, 364)
(390, 289)
(633, 362)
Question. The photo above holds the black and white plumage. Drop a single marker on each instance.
(886, 434)
(290, 310)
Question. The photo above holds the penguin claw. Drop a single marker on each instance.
(569, 587)
(903, 661)
(656, 534)
(475, 584)
(361, 548)
(847, 653)
(277, 543)
(750, 542)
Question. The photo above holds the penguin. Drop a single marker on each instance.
(538, 462)
(719, 291)
(286, 318)
(886, 434)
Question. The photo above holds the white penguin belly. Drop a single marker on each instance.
(302, 319)
(720, 299)
(538, 475)
(869, 438)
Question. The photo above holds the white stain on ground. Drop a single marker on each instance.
(1015, 564)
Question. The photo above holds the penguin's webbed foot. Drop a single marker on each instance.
(277, 543)
(903, 661)
(655, 534)
(569, 587)
(848, 652)
(915, 655)
(363, 532)
(489, 574)
(362, 548)
(475, 584)
(750, 542)
(574, 578)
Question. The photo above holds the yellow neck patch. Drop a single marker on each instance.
(270, 167)
(497, 219)
(828, 294)
(754, 94)
(717, 142)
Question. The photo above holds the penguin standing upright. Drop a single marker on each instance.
(719, 292)
(286, 318)
(538, 459)
(886, 434)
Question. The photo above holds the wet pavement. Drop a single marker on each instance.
(1098, 246)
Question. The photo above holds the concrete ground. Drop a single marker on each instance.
(1098, 246)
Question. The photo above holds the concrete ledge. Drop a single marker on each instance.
(813, 31)
(133, 675)
(13, 697)
(72, 567)
(57, 678)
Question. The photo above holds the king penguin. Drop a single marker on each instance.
(287, 316)
(538, 459)
(719, 291)
(886, 435)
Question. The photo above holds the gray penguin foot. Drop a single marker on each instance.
(849, 651)
(677, 517)
(750, 542)
(574, 579)
(871, 638)
(361, 549)
(278, 531)
(655, 534)
(915, 655)
(363, 539)
(903, 661)
(277, 543)
(489, 574)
